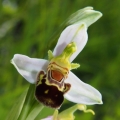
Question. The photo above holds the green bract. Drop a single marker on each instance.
(86, 15)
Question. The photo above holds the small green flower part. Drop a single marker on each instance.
(86, 15)
(68, 114)
(64, 58)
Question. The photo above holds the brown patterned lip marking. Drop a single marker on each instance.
(49, 95)
(56, 75)
(59, 84)
(67, 87)
(59, 71)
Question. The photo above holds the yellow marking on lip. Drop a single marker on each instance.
(46, 92)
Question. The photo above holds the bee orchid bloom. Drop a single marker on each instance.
(53, 78)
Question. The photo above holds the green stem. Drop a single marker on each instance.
(28, 103)
(36, 109)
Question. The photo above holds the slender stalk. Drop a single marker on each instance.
(28, 103)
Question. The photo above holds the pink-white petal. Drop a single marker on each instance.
(81, 92)
(29, 67)
(74, 33)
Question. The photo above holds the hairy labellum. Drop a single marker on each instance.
(50, 86)
(50, 91)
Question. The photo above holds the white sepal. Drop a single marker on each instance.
(29, 67)
(81, 92)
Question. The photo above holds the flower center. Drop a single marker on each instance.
(56, 75)
(63, 60)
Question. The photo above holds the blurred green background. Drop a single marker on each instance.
(28, 27)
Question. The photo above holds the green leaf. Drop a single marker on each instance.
(29, 101)
(34, 112)
(46, 111)
(15, 111)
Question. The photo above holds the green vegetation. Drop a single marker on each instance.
(32, 27)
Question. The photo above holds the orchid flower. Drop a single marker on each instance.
(53, 78)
